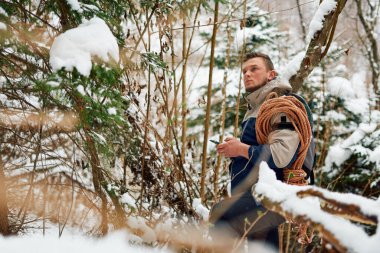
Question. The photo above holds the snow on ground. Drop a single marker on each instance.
(76, 47)
(116, 242)
(200, 209)
(350, 235)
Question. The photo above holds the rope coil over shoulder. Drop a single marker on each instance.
(297, 114)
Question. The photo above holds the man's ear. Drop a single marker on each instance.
(272, 75)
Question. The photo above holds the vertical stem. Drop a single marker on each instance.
(288, 237)
(175, 102)
(223, 116)
(184, 105)
(301, 20)
(236, 126)
(145, 129)
(4, 224)
(208, 111)
(44, 196)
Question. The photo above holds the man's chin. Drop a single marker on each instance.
(251, 89)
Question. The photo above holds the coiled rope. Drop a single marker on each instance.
(296, 113)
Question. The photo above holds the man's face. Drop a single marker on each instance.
(256, 74)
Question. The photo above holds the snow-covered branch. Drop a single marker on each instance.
(321, 31)
(304, 205)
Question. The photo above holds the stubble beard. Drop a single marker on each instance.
(256, 87)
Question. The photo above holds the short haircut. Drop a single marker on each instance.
(265, 57)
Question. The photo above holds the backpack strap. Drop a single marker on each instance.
(307, 108)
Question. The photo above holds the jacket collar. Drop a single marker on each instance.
(257, 98)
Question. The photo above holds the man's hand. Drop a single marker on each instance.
(232, 147)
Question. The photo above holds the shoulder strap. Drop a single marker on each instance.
(307, 108)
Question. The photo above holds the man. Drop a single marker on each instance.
(234, 216)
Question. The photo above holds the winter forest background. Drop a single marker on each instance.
(107, 107)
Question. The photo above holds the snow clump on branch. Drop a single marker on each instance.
(316, 23)
(75, 47)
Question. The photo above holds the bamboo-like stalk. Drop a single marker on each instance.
(176, 87)
(145, 129)
(208, 110)
(44, 201)
(184, 100)
(4, 223)
(224, 106)
(236, 125)
(174, 82)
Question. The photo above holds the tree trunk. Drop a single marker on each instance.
(371, 48)
(319, 42)
(98, 180)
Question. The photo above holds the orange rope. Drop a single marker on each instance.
(296, 113)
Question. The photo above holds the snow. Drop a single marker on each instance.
(334, 115)
(358, 106)
(148, 235)
(340, 87)
(359, 85)
(118, 242)
(80, 89)
(316, 23)
(358, 134)
(100, 138)
(340, 152)
(292, 66)
(375, 157)
(112, 111)
(200, 209)
(127, 199)
(75, 47)
(3, 12)
(309, 207)
(74, 5)
(3, 81)
(33, 100)
(53, 84)
(3, 26)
